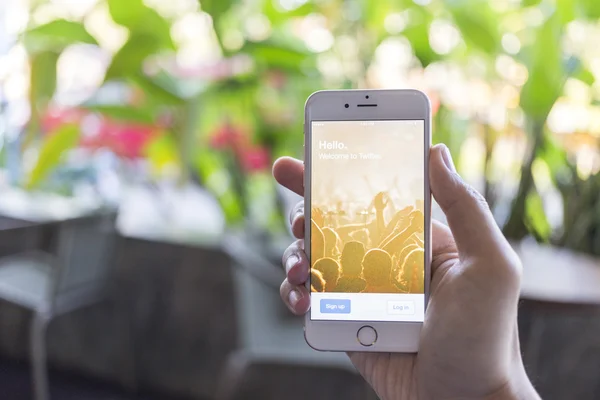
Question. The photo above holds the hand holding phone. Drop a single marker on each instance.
(469, 344)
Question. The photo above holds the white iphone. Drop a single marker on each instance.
(368, 219)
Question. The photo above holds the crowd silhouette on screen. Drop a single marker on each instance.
(357, 251)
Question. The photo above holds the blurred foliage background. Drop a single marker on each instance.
(211, 92)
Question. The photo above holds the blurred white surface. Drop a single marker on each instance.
(187, 215)
(45, 206)
(558, 275)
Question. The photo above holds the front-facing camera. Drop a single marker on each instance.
(347, 105)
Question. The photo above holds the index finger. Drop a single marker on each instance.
(289, 172)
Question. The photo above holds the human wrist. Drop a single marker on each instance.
(518, 387)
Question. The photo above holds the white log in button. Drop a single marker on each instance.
(401, 307)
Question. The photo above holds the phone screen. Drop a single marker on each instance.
(367, 220)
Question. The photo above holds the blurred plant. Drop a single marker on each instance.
(223, 122)
(58, 131)
(581, 230)
(549, 67)
(171, 116)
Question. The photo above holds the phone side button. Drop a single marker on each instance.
(367, 336)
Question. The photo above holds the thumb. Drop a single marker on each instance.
(475, 231)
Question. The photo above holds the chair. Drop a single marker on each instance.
(268, 333)
(51, 285)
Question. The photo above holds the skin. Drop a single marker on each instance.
(469, 346)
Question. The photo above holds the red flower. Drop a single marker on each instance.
(250, 158)
(256, 159)
(126, 140)
(228, 137)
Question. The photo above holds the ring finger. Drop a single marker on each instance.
(297, 220)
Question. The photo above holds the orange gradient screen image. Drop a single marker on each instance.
(367, 207)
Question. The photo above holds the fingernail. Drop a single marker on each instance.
(447, 157)
(297, 214)
(290, 262)
(294, 297)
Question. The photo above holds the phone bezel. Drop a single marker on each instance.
(330, 105)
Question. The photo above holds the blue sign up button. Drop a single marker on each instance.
(335, 306)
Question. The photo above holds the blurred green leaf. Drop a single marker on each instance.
(477, 23)
(56, 35)
(565, 10)
(417, 33)
(585, 75)
(375, 13)
(209, 166)
(232, 101)
(126, 12)
(130, 58)
(42, 86)
(156, 91)
(156, 26)
(43, 78)
(262, 197)
(277, 14)
(530, 3)
(546, 71)
(274, 54)
(162, 152)
(450, 130)
(575, 68)
(591, 8)
(216, 8)
(231, 207)
(536, 219)
(123, 113)
(53, 148)
(178, 87)
(142, 22)
(555, 158)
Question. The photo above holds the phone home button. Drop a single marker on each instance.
(367, 336)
